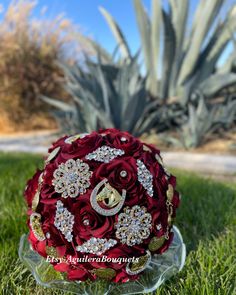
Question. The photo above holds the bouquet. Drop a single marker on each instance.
(102, 206)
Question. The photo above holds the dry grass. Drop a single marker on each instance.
(28, 63)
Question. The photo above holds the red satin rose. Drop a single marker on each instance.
(98, 226)
(122, 174)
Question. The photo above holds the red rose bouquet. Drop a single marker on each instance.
(102, 207)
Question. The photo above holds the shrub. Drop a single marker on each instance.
(29, 57)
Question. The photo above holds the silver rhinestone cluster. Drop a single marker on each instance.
(104, 154)
(64, 221)
(145, 177)
(134, 225)
(96, 246)
(72, 178)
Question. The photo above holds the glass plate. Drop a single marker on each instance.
(161, 268)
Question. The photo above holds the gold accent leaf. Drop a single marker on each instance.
(104, 273)
(35, 201)
(146, 148)
(140, 264)
(156, 243)
(53, 154)
(170, 193)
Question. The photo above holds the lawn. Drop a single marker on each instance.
(206, 219)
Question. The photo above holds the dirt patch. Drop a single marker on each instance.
(224, 143)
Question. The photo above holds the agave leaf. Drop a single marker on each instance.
(104, 87)
(58, 104)
(169, 53)
(206, 18)
(227, 66)
(145, 31)
(215, 83)
(134, 109)
(118, 34)
(156, 24)
(179, 15)
(144, 124)
(218, 42)
(93, 46)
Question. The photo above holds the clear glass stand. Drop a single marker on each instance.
(161, 268)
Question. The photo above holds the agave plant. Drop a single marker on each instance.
(187, 58)
(204, 120)
(105, 95)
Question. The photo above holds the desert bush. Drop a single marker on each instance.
(29, 53)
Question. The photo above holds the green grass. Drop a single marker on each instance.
(206, 218)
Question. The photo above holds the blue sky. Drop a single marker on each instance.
(86, 14)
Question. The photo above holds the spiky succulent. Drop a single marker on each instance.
(115, 94)
(104, 96)
(188, 56)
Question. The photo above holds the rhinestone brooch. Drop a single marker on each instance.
(104, 154)
(96, 246)
(64, 221)
(115, 200)
(134, 225)
(72, 178)
(145, 177)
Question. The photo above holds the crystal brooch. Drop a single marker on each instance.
(145, 177)
(96, 246)
(104, 154)
(72, 178)
(133, 225)
(64, 221)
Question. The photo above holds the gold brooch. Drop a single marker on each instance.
(110, 198)
(35, 224)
